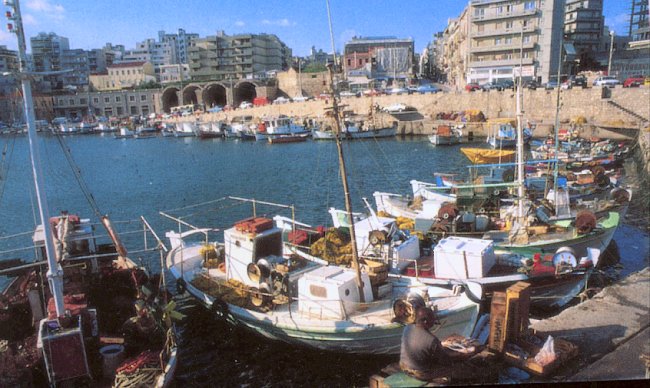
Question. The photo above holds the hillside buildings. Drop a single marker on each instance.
(243, 56)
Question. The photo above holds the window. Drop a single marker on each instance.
(529, 5)
(71, 101)
(95, 100)
(120, 111)
(143, 97)
(134, 110)
(508, 40)
(499, 10)
(118, 99)
(132, 98)
(509, 25)
(83, 101)
(527, 39)
(107, 99)
(497, 41)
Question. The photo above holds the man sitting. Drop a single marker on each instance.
(422, 355)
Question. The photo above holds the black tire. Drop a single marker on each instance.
(220, 309)
(181, 287)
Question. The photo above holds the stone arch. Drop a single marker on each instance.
(191, 95)
(244, 91)
(215, 94)
(170, 98)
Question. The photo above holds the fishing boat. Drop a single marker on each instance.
(80, 339)
(125, 133)
(185, 129)
(248, 280)
(282, 126)
(446, 135)
(242, 127)
(373, 125)
(503, 134)
(211, 130)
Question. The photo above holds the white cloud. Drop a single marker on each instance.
(29, 20)
(49, 9)
(240, 23)
(279, 22)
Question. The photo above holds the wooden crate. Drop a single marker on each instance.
(498, 323)
(564, 351)
(518, 307)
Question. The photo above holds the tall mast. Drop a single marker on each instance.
(344, 176)
(54, 273)
(520, 135)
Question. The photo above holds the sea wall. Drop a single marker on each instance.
(615, 113)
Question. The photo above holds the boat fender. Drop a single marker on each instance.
(219, 308)
(181, 287)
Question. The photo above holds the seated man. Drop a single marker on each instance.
(422, 355)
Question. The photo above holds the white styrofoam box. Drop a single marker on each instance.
(241, 247)
(406, 252)
(321, 291)
(451, 253)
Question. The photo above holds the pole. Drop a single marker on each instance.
(557, 124)
(611, 49)
(346, 191)
(55, 272)
(520, 135)
(329, 19)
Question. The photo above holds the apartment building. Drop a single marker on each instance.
(583, 25)
(456, 45)
(123, 75)
(223, 57)
(180, 42)
(156, 53)
(118, 103)
(47, 55)
(505, 34)
(382, 57)
(639, 20)
(174, 73)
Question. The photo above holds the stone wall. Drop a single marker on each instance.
(313, 84)
(603, 119)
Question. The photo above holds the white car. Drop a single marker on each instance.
(397, 91)
(300, 99)
(245, 105)
(395, 108)
(348, 94)
(606, 80)
(281, 100)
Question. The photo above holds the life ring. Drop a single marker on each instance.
(181, 287)
(219, 308)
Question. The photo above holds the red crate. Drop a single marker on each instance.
(254, 225)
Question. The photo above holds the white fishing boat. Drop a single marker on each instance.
(185, 129)
(280, 127)
(248, 280)
(125, 133)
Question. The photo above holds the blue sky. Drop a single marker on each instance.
(299, 23)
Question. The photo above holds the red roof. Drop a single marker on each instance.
(126, 64)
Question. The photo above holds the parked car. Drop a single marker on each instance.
(398, 108)
(422, 89)
(472, 86)
(349, 94)
(373, 92)
(245, 105)
(634, 81)
(498, 84)
(397, 91)
(579, 81)
(551, 84)
(281, 100)
(302, 98)
(531, 84)
(606, 80)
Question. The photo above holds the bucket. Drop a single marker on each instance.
(112, 357)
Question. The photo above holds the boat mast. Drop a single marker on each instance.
(54, 273)
(520, 136)
(344, 177)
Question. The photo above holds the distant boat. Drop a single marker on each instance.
(185, 129)
(125, 133)
(211, 130)
(295, 138)
(445, 135)
(279, 127)
(505, 136)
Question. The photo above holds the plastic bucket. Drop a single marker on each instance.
(112, 357)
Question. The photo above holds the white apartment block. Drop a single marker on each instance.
(507, 34)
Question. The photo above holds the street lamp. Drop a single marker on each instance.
(611, 49)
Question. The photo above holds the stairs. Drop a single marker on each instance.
(628, 111)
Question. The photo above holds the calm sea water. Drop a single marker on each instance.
(131, 178)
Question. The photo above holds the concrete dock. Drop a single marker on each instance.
(612, 331)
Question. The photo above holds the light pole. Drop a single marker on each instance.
(611, 49)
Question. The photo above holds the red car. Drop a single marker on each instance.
(633, 81)
(472, 86)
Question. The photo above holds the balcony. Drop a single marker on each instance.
(504, 15)
(509, 31)
(515, 47)
(501, 62)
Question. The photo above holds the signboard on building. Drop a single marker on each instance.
(526, 71)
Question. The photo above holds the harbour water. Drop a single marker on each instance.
(129, 178)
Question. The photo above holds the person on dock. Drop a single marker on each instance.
(422, 354)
